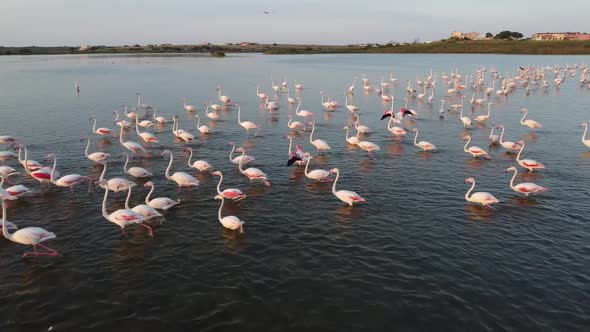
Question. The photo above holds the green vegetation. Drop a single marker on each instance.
(498, 45)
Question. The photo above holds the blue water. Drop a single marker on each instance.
(416, 256)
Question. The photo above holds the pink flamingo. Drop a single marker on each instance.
(100, 131)
(181, 178)
(347, 196)
(122, 217)
(474, 150)
(526, 188)
(145, 210)
(97, 157)
(28, 236)
(69, 180)
(252, 173)
(230, 193)
(480, 197)
(162, 203)
(529, 164)
(15, 191)
(229, 222)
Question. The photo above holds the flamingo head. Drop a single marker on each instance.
(92, 117)
(231, 143)
(148, 184)
(510, 169)
(187, 149)
(466, 137)
(101, 182)
(334, 170)
(165, 152)
(299, 149)
(345, 128)
(469, 180)
(216, 173)
(51, 155)
(523, 110)
(583, 124)
(240, 150)
(499, 126)
(83, 138)
(219, 197)
(414, 130)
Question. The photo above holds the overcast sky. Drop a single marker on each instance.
(118, 22)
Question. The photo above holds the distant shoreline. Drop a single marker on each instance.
(525, 47)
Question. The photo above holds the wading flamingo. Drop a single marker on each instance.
(485, 117)
(584, 139)
(200, 165)
(465, 119)
(99, 131)
(350, 107)
(510, 146)
(352, 140)
(298, 157)
(129, 145)
(69, 180)
(424, 145)
(494, 139)
(294, 125)
(303, 113)
(16, 191)
(480, 197)
(28, 236)
(229, 222)
(347, 196)
(361, 128)
(229, 193)
(260, 94)
(236, 160)
(124, 123)
(204, 129)
(529, 164)
(222, 98)
(114, 184)
(211, 115)
(97, 157)
(526, 188)
(316, 174)
(31, 165)
(122, 217)
(252, 173)
(189, 108)
(159, 119)
(136, 172)
(181, 178)
(180, 133)
(532, 124)
(160, 203)
(319, 144)
(146, 136)
(247, 124)
(147, 211)
(475, 151)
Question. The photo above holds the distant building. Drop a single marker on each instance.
(468, 35)
(84, 48)
(244, 43)
(561, 36)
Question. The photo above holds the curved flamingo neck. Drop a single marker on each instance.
(239, 113)
(467, 197)
(104, 171)
(502, 136)
(231, 153)
(219, 183)
(416, 138)
(465, 147)
(136, 125)
(87, 146)
(4, 228)
(520, 152)
(147, 198)
(491, 132)
(220, 208)
(190, 157)
(335, 180)
(53, 170)
(524, 116)
(290, 145)
(104, 203)
(94, 125)
(242, 162)
(311, 134)
(299, 105)
(306, 166)
(513, 177)
(155, 111)
(584, 134)
(126, 161)
(198, 121)
(127, 199)
(169, 165)
(121, 136)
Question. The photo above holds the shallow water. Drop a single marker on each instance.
(413, 257)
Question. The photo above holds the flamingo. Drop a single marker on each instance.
(584, 139)
(122, 217)
(423, 94)
(16, 191)
(290, 100)
(392, 79)
(510, 146)
(180, 133)
(230, 193)
(7, 139)
(181, 178)
(271, 105)
(319, 144)
(100, 131)
(303, 113)
(124, 123)
(526, 188)
(189, 108)
(298, 156)
(482, 118)
(480, 197)
(316, 174)
(69, 180)
(229, 222)
(397, 131)
(139, 104)
(42, 175)
(114, 184)
(529, 164)
(200, 165)
(161, 203)
(465, 119)
(532, 124)
(7, 171)
(431, 97)
(351, 88)
(147, 137)
(350, 107)
(215, 107)
(131, 146)
(294, 125)
(145, 210)
(298, 86)
(347, 196)
(352, 140)
(223, 99)
(211, 115)
(275, 87)
(203, 129)
(29, 164)
(259, 94)
(28, 236)
(131, 115)
(361, 128)
(424, 145)
(368, 146)
(159, 119)
(252, 173)
(284, 84)
(494, 139)
(145, 123)
(97, 157)
(474, 150)
(136, 172)
(247, 124)
(247, 158)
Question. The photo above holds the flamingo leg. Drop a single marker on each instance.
(150, 232)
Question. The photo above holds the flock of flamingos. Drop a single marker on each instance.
(423, 89)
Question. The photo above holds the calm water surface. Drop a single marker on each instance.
(415, 257)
